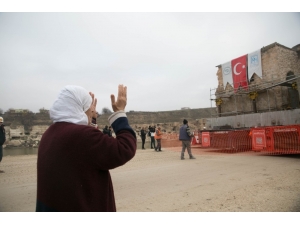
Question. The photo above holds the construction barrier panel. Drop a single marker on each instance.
(205, 137)
(196, 139)
(225, 140)
(232, 141)
(278, 139)
(258, 139)
(170, 140)
(271, 140)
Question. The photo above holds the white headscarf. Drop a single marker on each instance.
(71, 105)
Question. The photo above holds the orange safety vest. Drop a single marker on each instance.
(158, 134)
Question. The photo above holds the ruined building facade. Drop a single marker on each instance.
(278, 89)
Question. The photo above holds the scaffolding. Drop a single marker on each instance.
(252, 92)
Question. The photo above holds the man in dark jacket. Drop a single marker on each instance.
(110, 131)
(106, 130)
(185, 136)
(2, 139)
(152, 134)
(143, 137)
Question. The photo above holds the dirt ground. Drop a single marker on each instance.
(161, 182)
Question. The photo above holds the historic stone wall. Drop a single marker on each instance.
(277, 61)
(38, 129)
(26, 129)
(170, 121)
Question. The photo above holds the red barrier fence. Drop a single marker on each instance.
(277, 139)
(231, 141)
(170, 140)
(258, 139)
(225, 140)
(197, 139)
(234, 140)
(271, 140)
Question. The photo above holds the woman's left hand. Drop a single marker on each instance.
(94, 105)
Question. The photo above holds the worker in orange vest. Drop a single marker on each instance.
(157, 136)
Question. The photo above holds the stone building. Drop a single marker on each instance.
(276, 90)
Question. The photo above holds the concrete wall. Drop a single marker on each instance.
(286, 117)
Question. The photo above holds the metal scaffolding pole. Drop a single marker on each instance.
(268, 99)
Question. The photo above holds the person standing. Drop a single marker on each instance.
(2, 139)
(152, 134)
(143, 137)
(158, 136)
(74, 157)
(106, 130)
(110, 131)
(149, 135)
(185, 136)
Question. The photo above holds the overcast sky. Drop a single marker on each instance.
(167, 60)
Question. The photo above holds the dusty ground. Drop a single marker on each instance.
(161, 182)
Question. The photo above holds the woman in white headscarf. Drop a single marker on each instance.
(74, 158)
(71, 105)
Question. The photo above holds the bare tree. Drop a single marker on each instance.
(1, 111)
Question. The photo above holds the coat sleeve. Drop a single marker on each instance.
(189, 132)
(108, 152)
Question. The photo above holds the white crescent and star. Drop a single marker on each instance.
(234, 68)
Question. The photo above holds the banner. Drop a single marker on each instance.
(227, 74)
(205, 139)
(254, 64)
(239, 72)
(258, 139)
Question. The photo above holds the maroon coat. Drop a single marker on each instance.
(73, 167)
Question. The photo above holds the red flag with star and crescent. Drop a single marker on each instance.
(239, 72)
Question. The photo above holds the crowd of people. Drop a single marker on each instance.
(155, 135)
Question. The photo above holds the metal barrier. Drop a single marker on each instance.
(173, 136)
(197, 139)
(232, 141)
(276, 139)
(224, 140)
(170, 140)
(270, 140)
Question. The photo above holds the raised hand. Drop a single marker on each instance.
(121, 102)
(94, 105)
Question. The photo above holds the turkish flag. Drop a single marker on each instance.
(239, 72)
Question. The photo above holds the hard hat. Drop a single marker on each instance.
(1, 119)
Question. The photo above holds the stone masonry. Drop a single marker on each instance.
(26, 128)
(279, 63)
